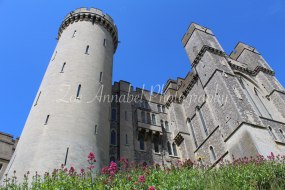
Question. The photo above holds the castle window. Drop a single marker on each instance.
(113, 137)
(114, 113)
(62, 68)
(101, 77)
(87, 50)
(126, 116)
(272, 133)
(54, 55)
(283, 135)
(78, 92)
(213, 155)
(47, 119)
(203, 123)
(174, 149)
(265, 112)
(95, 132)
(189, 123)
(156, 144)
(143, 116)
(74, 33)
(66, 156)
(38, 98)
(148, 120)
(1, 166)
(169, 148)
(141, 141)
(163, 109)
(162, 124)
(127, 140)
(158, 108)
(105, 43)
(153, 119)
(166, 126)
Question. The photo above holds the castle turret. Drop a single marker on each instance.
(69, 118)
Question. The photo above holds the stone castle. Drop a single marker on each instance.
(229, 105)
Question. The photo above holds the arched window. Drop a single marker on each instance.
(78, 92)
(272, 133)
(87, 50)
(174, 149)
(189, 123)
(114, 114)
(113, 137)
(203, 123)
(148, 118)
(143, 116)
(141, 140)
(213, 155)
(169, 148)
(153, 119)
(166, 126)
(156, 144)
(158, 108)
(265, 112)
(283, 135)
(62, 68)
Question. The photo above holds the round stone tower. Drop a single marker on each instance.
(69, 117)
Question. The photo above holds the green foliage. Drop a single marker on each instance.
(258, 173)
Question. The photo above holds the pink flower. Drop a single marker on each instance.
(104, 170)
(141, 179)
(91, 157)
(151, 188)
(82, 171)
(71, 170)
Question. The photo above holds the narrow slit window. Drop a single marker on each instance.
(38, 98)
(156, 144)
(272, 133)
(148, 118)
(1, 165)
(78, 92)
(282, 133)
(202, 121)
(54, 55)
(74, 34)
(62, 68)
(158, 108)
(47, 119)
(163, 109)
(213, 154)
(105, 43)
(114, 114)
(87, 50)
(66, 156)
(101, 77)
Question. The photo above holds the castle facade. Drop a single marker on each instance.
(229, 105)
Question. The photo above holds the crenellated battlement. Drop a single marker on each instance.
(92, 15)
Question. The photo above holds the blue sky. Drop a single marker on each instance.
(150, 32)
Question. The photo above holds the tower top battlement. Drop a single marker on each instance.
(92, 15)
